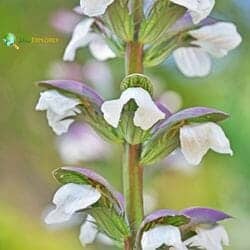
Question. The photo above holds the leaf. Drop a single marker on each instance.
(162, 16)
(111, 223)
(165, 139)
(120, 21)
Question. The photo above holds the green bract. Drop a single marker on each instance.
(120, 21)
(162, 15)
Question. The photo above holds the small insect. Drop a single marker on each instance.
(9, 40)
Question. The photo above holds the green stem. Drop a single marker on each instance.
(132, 169)
(133, 188)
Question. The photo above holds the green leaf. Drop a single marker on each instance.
(65, 176)
(177, 220)
(120, 21)
(109, 222)
(162, 15)
(159, 53)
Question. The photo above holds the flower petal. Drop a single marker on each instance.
(100, 50)
(198, 9)
(192, 61)
(204, 215)
(162, 235)
(145, 116)
(56, 102)
(58, 108)
(81, 143)
(209, 239)
(95, 7)
(80, 38)
(197, 139)
(217, 39)
(76, 88)
(69, 199)
(90, 177)
(88, 231)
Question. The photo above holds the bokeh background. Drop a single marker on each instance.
(27, 145)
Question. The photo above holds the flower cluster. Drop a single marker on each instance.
(187, 32)
(191, 228)
(159, 130)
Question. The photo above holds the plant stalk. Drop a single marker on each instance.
(132, 169)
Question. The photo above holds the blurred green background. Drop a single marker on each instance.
(28, 155)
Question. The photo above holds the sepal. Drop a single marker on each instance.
(131, 133)
(120, 21)
(111, 223)
(162, 16)
(90, 105)
(165, 138)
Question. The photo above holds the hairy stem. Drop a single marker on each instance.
(132, 170)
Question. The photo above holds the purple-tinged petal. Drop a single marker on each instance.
(196, 114)
(208, 21)
(182, 24)
(185, 23)
(163, 109)
(74, 87)
(64, 20)
(99, 180)
(202, 215)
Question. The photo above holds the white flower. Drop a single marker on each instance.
(197, 139)
(58, 107)
(81, 143)
(198, 9)
(216, 39)
(95, 7)
(69, 199)
(192, 61)
(83, 36)
(172, 100)
(162, 235)
(145, 116)
(89, 233)
(210, 239)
